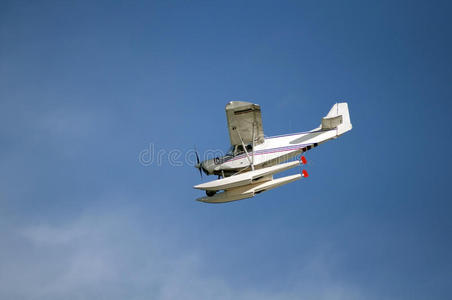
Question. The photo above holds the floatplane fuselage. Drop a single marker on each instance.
(248, 167)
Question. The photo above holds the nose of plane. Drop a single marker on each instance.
(202, 166)
(205, 168)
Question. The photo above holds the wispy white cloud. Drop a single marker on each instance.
(110, 256)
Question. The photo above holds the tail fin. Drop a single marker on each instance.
(338, 118)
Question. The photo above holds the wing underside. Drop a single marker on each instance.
(244, 121)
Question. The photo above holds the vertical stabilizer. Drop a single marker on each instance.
(338, 118)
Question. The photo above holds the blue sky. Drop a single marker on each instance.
(86, 86)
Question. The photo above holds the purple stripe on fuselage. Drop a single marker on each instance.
(272, 150)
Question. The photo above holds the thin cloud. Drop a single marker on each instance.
(111, 257)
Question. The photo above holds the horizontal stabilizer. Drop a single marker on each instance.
(331, 122)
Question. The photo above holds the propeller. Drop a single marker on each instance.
(198, 163)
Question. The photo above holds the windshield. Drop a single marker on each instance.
(230, 151)
(238, 149)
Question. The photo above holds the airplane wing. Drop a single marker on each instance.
(242, 118)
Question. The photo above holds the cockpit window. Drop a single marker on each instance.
(238, 149)
(230, 151)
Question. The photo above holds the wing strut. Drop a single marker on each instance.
(244, 148)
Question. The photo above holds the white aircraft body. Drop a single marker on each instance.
(248, 167)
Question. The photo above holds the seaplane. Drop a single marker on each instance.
(247, 169)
